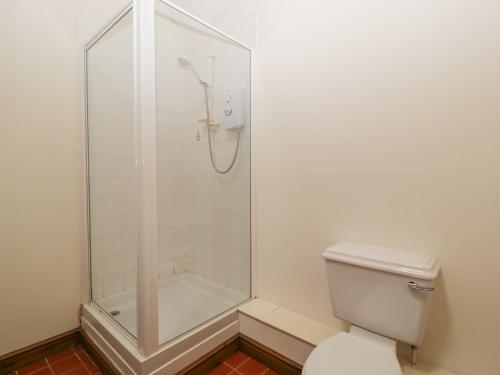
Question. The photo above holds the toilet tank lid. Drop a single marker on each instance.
(407, 263)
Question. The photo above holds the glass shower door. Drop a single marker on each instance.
(112, 175)
(203, 159)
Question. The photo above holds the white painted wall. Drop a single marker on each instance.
(379, 123)
(41, 180)
(237, 18)
(41, 152)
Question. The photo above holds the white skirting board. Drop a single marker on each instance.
(281, 342)
(287, 333)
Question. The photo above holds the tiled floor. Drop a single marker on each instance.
(73, 361)
(242, 364)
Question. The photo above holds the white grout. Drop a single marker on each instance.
(241, 364)
(48, 365)
(38, 370)
(83, 364)
(235, 368)
(62, 359)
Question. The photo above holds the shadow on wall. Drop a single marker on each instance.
(439, 322)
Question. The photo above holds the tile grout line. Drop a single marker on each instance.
(86, 368)
(63, 359)
(241, 364)
(37, 370)
(67, 372)
(48, 365)
(83, 364)
(77, 357)
(233, 369)
(237, 367)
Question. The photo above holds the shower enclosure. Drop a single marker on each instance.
(168, 173)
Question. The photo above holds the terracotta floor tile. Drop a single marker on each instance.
(44, 371)
(33, 367)
(91, 367)
(60, 356)
(78, 371)
(223, 369)
(236, 359)
(251, 367)
(84, 357)
(66, 365)
(72, 361)
(78, 349)
(270, 372)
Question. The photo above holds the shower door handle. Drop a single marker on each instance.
(413, 285)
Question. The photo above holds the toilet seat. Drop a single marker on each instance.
(347, 354)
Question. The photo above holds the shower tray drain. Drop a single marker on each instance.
(115, 312)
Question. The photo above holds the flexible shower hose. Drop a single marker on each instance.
(220, 171)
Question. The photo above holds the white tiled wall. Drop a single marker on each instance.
(205, 217)
(113, 202)
(170, 121)
(218, 209)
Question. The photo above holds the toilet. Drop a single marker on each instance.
(385, 294)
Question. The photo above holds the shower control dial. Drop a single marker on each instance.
(233, 110)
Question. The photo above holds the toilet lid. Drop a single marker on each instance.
(346, 354)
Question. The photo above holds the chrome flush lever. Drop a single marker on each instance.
(413, 285)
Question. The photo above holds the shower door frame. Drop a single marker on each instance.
(144, 25)
(87, 256)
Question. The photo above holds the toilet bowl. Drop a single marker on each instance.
(358, 352)
(385, 294)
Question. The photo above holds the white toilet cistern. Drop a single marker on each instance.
(385, 294)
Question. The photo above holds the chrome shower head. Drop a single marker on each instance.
(185, 63)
